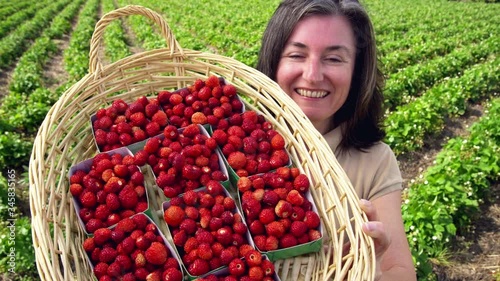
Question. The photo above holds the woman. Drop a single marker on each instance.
(322, 53)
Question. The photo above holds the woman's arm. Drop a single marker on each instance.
(394, 261)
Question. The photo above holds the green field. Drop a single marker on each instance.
(440, 59)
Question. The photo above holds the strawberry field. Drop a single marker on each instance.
(440, 59)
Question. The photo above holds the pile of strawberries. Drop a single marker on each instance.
(206, 228)
(111, 189)
(132, 250)
(182, 159)
(123, 124)
(213, 238)
(254, 266)
(250, 144)
(277, 210)
(204, 102)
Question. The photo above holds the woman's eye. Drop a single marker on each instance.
(334, 59)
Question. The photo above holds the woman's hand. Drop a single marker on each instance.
(375, 229)
(385, 226)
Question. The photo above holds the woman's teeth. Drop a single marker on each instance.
(312, 94)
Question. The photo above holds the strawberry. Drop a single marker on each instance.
(102, 235)
(283, 209)
(174, 215)
(244, 184)
(198, 267)
(253, 258)
(277, 142)
(237, 267)
(107, 255)
(128, 197)
(126, 225)
(89, 244)
(295, 198)
(298, 228)
(256, 273)
(199, 118)
(268, 267)
(156, 253)
(172, 274)
(267, 216)
(88, 199)
(312, 219)
(229, 90)
(301, 183)
(101, 269)
(212, 81)
(272, 243)
(313, 234)
(205, 251)
(275, 228)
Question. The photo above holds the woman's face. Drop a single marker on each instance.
(317, 65)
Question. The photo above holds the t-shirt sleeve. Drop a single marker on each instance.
(387, 175)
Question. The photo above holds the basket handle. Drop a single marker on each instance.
(95, 64)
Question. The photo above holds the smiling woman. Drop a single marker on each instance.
(325, 59)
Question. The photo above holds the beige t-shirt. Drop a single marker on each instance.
(373, 173)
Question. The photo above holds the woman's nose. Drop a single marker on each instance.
(312, 71)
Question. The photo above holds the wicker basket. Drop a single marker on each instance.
(65, 139)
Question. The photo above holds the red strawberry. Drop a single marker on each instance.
(295, 198)
(128, 197)
(312, 219)
(89, 244)
(156, 253)
(277, 142)
(237, 267)
(268, 267)
(298, 228)
(126, 225)
(229, 90)
(174, 215)
(272, 243)
(256, 273)
(198, 267)
(301, 183)
(275, 228)
(88, 199)
(244, 184)
(237, 160)
(107, 255)
(102, 235)
(253, 258)
(172, 274)
(212, 81)
(267, 216)
(93, 224)
(283, 209)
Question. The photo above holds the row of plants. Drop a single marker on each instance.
(76, 56)
(115, 43)
(28, 105)
(233, 34)
(13, 20)
(11, 7)
(28, 100)
(446, 199)
(16, 42)
(455, 31)
(395, 61)
(405, 85)
(438, 15)
(409, 124)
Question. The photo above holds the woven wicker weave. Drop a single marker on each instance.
(65, 138)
